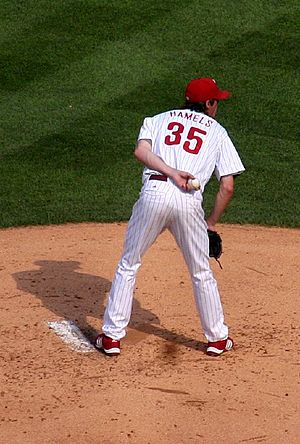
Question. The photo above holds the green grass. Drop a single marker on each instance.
(77, 78)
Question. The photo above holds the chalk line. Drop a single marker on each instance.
(71, 334)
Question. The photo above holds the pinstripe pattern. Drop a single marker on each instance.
(217, 154)
(161, 206)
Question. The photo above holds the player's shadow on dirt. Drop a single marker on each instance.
(72, 295)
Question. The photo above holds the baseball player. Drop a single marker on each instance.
(180, 150)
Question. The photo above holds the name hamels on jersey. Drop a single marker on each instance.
(192, 117)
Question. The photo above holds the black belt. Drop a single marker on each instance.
(158, 177)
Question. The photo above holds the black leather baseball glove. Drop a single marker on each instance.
(215, 245)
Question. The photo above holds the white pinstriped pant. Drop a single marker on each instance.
(162, 205)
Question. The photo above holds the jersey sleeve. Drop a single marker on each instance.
(146, 129)
(228, 161)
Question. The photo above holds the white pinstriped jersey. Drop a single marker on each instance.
(193, 142)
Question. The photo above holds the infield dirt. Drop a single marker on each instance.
(163, 388)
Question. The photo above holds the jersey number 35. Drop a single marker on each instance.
(193, 141)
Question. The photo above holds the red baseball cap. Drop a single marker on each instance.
(205, 88)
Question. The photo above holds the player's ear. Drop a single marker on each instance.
(208, 106)
(211, 108)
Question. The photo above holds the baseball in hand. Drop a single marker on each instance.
(193, 184)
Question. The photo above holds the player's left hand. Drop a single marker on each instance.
(180, 178)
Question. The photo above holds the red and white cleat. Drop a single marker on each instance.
(219, 347)
(110, 346)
